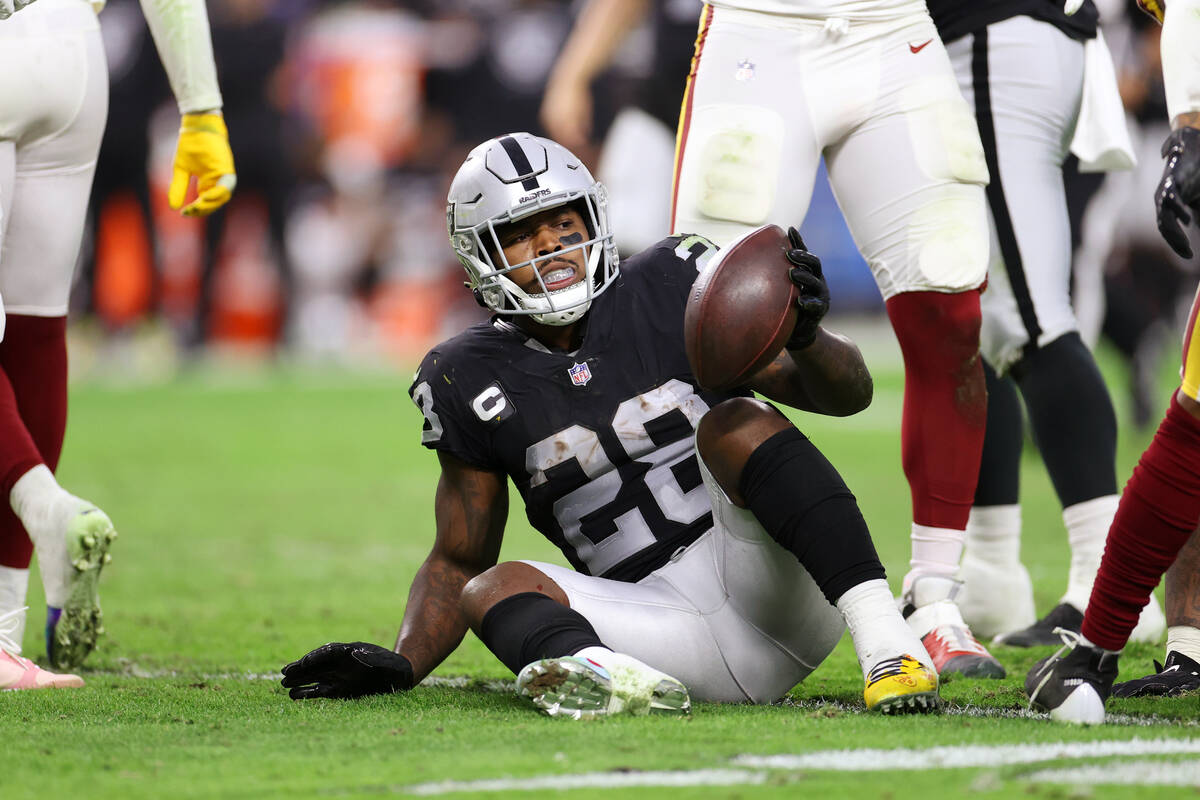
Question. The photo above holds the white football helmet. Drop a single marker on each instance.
(508, 178)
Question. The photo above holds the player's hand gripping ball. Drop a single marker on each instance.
(346, 670)
(760, 293)
(813, 297)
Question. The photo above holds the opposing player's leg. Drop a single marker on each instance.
(562, 665)
(1023, 79)
(1158, 513)
(48, 190)
(747, 148)
(909, 178)
(1180, 671)
(18, 456)
(755, 461)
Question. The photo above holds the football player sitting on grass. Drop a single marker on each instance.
(717, 555)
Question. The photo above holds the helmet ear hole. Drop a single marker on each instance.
(479, 298)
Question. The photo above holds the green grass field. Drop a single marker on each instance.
(264, 514)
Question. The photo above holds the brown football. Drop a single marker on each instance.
(741, 310)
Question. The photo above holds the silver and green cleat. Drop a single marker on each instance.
(72, 631)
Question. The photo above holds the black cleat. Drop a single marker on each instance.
(1073, 683)
(1179, 675)
(1063, 615)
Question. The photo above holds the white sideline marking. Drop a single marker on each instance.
(1179, 773)
(1131, 773)
(595, 780)
(967, 755)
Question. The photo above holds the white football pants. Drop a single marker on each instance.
(1024, 80)
(53, 106)
(734, 616)
(771, 94)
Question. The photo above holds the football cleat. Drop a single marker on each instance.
(1073, 683)
(1177, 676)
(928, 606)
(994, 598)
(20, 673)
(72, 631)
(579, 688)
(901, 685)
(1064, 616)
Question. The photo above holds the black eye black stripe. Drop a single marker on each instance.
(520, 162)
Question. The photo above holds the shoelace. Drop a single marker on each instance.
(7, 644)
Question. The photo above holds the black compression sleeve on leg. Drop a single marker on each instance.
(1072, 416)
(803, 503)
(529, 626)
(1000, 469)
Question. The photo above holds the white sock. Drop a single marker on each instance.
(994, 534)
(1087, 528)
(935, 551)
(1086, 642)
(46, 509)
(14, 583)
(876, 627)
(1185, 640)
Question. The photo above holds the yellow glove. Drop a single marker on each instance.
(203, 151)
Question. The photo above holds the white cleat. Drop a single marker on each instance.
(579, 688)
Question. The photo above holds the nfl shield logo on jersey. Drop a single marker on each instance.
(580, 374)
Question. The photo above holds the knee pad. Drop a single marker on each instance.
(734, 171)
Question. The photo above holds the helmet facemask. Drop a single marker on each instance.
(478, 247)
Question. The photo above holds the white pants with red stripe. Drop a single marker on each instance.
(770, 95)
(53, 106)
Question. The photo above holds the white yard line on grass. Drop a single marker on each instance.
(1125, 773)
(594, 780)
(869, 760)
(1140, 773)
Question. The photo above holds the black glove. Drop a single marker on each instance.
(1179, 187)
(814, 293)
(343, 670)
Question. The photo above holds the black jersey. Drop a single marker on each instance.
(599, 442)
(957, 18)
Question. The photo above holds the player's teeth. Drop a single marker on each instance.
(559, 275)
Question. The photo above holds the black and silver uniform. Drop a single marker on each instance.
(598, 442)
(956, 18)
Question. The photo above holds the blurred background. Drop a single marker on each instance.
(347, 120)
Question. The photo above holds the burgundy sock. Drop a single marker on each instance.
(945, 402)
(33, 414)
(1158, 512)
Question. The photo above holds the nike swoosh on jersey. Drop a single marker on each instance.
(918, 48)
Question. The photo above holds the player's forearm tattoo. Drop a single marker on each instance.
(1183, 586)
(471, 510)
